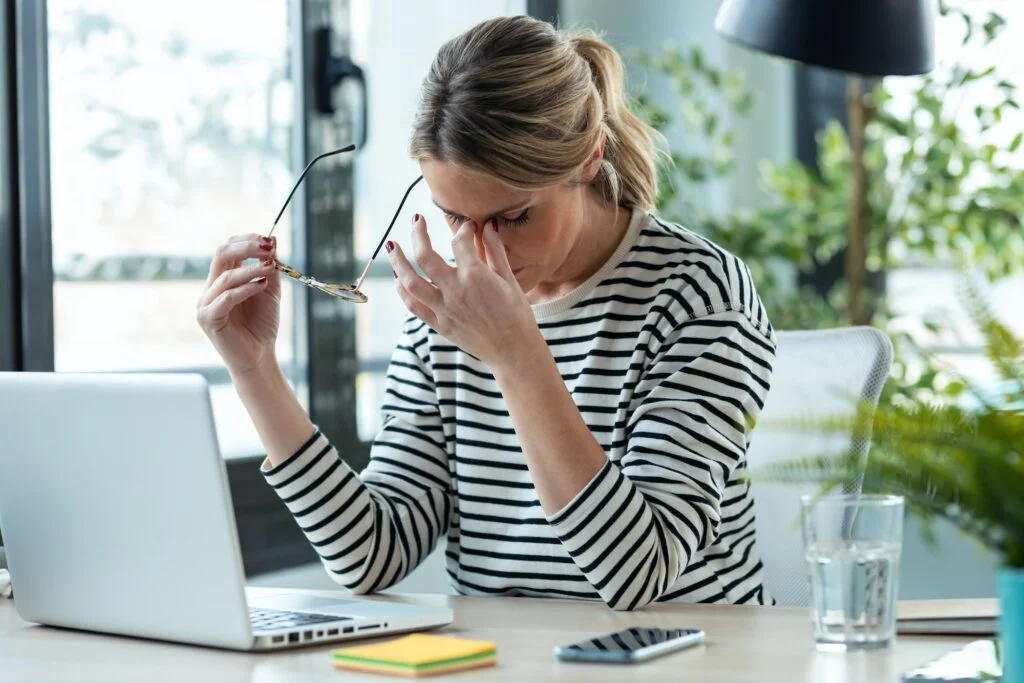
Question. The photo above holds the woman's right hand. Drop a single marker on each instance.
(239, 308)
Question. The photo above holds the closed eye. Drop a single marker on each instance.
(518, 220)
(456, 219)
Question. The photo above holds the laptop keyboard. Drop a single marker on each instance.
(281, 620)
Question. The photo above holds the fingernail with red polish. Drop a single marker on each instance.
(394, 274)
(266, 246)
(415, 218)
(268, 261)
(265, 239)
(390, 246)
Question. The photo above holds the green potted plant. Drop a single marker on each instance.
(963, 462)
(943, 185)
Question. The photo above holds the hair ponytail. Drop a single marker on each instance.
(629, 174)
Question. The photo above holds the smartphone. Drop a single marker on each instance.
(635, 644)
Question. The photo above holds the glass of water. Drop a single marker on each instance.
(852, 545)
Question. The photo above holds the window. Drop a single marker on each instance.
(170, 130)
(397, 41)
(929, 289)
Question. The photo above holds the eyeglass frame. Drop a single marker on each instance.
(336, 290)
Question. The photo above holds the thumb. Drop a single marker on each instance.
(494, 249)
(274, 283)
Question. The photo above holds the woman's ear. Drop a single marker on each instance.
(593, 166)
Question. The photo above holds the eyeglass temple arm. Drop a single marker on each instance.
(346, 148)
(366, 270)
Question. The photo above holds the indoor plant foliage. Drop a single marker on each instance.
(941, 189)
(962, 461)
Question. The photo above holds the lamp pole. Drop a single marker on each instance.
(860, 111)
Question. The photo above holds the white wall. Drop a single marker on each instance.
(395, 41)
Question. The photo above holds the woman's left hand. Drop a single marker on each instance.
(477, 305)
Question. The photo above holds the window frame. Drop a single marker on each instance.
(31, 167)
(326, 339)
(268, 535)
(10, 247)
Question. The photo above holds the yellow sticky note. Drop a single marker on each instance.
(418, 649)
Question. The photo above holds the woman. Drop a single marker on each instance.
(570, 404)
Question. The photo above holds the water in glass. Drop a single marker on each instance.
(853, 593)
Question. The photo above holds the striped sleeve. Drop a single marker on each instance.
(371, 530)
(635, 527)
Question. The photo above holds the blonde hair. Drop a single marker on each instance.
(518, 100)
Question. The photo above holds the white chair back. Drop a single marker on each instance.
(817, 374)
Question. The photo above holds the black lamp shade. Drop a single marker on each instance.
(866, 37)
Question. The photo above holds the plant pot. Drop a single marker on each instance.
(1011, 623)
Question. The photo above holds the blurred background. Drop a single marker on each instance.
(138, 136)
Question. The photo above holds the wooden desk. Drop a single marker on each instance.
(762, 644)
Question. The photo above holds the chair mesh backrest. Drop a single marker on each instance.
(816, 374)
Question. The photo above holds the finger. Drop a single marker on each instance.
(250, 236)
(236, 277)
(213, 315)
(464, 245)
(429, 261)
(478, 242)
(231, 254)
(413, 282)
(247, 237)
(417, 307)
(494, 249)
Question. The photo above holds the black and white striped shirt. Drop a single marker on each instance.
(667, 353)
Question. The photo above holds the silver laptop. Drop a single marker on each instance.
(116, 517)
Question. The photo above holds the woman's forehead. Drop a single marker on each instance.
(466, 192)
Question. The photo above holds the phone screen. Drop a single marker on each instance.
(624, 643)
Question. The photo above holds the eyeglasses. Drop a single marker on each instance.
(350, 293)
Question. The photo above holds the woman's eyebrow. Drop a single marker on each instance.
(517, 205)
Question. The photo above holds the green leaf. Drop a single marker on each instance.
(710, 124)
(697, 58)
(745, 104)
(993, 27)
(1015, 145)
(968, 27)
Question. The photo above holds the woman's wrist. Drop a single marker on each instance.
(279, 418)
(265, 372)
(519, 358)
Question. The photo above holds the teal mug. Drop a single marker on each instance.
(1011, 624)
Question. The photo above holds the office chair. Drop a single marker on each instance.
(817, 374)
